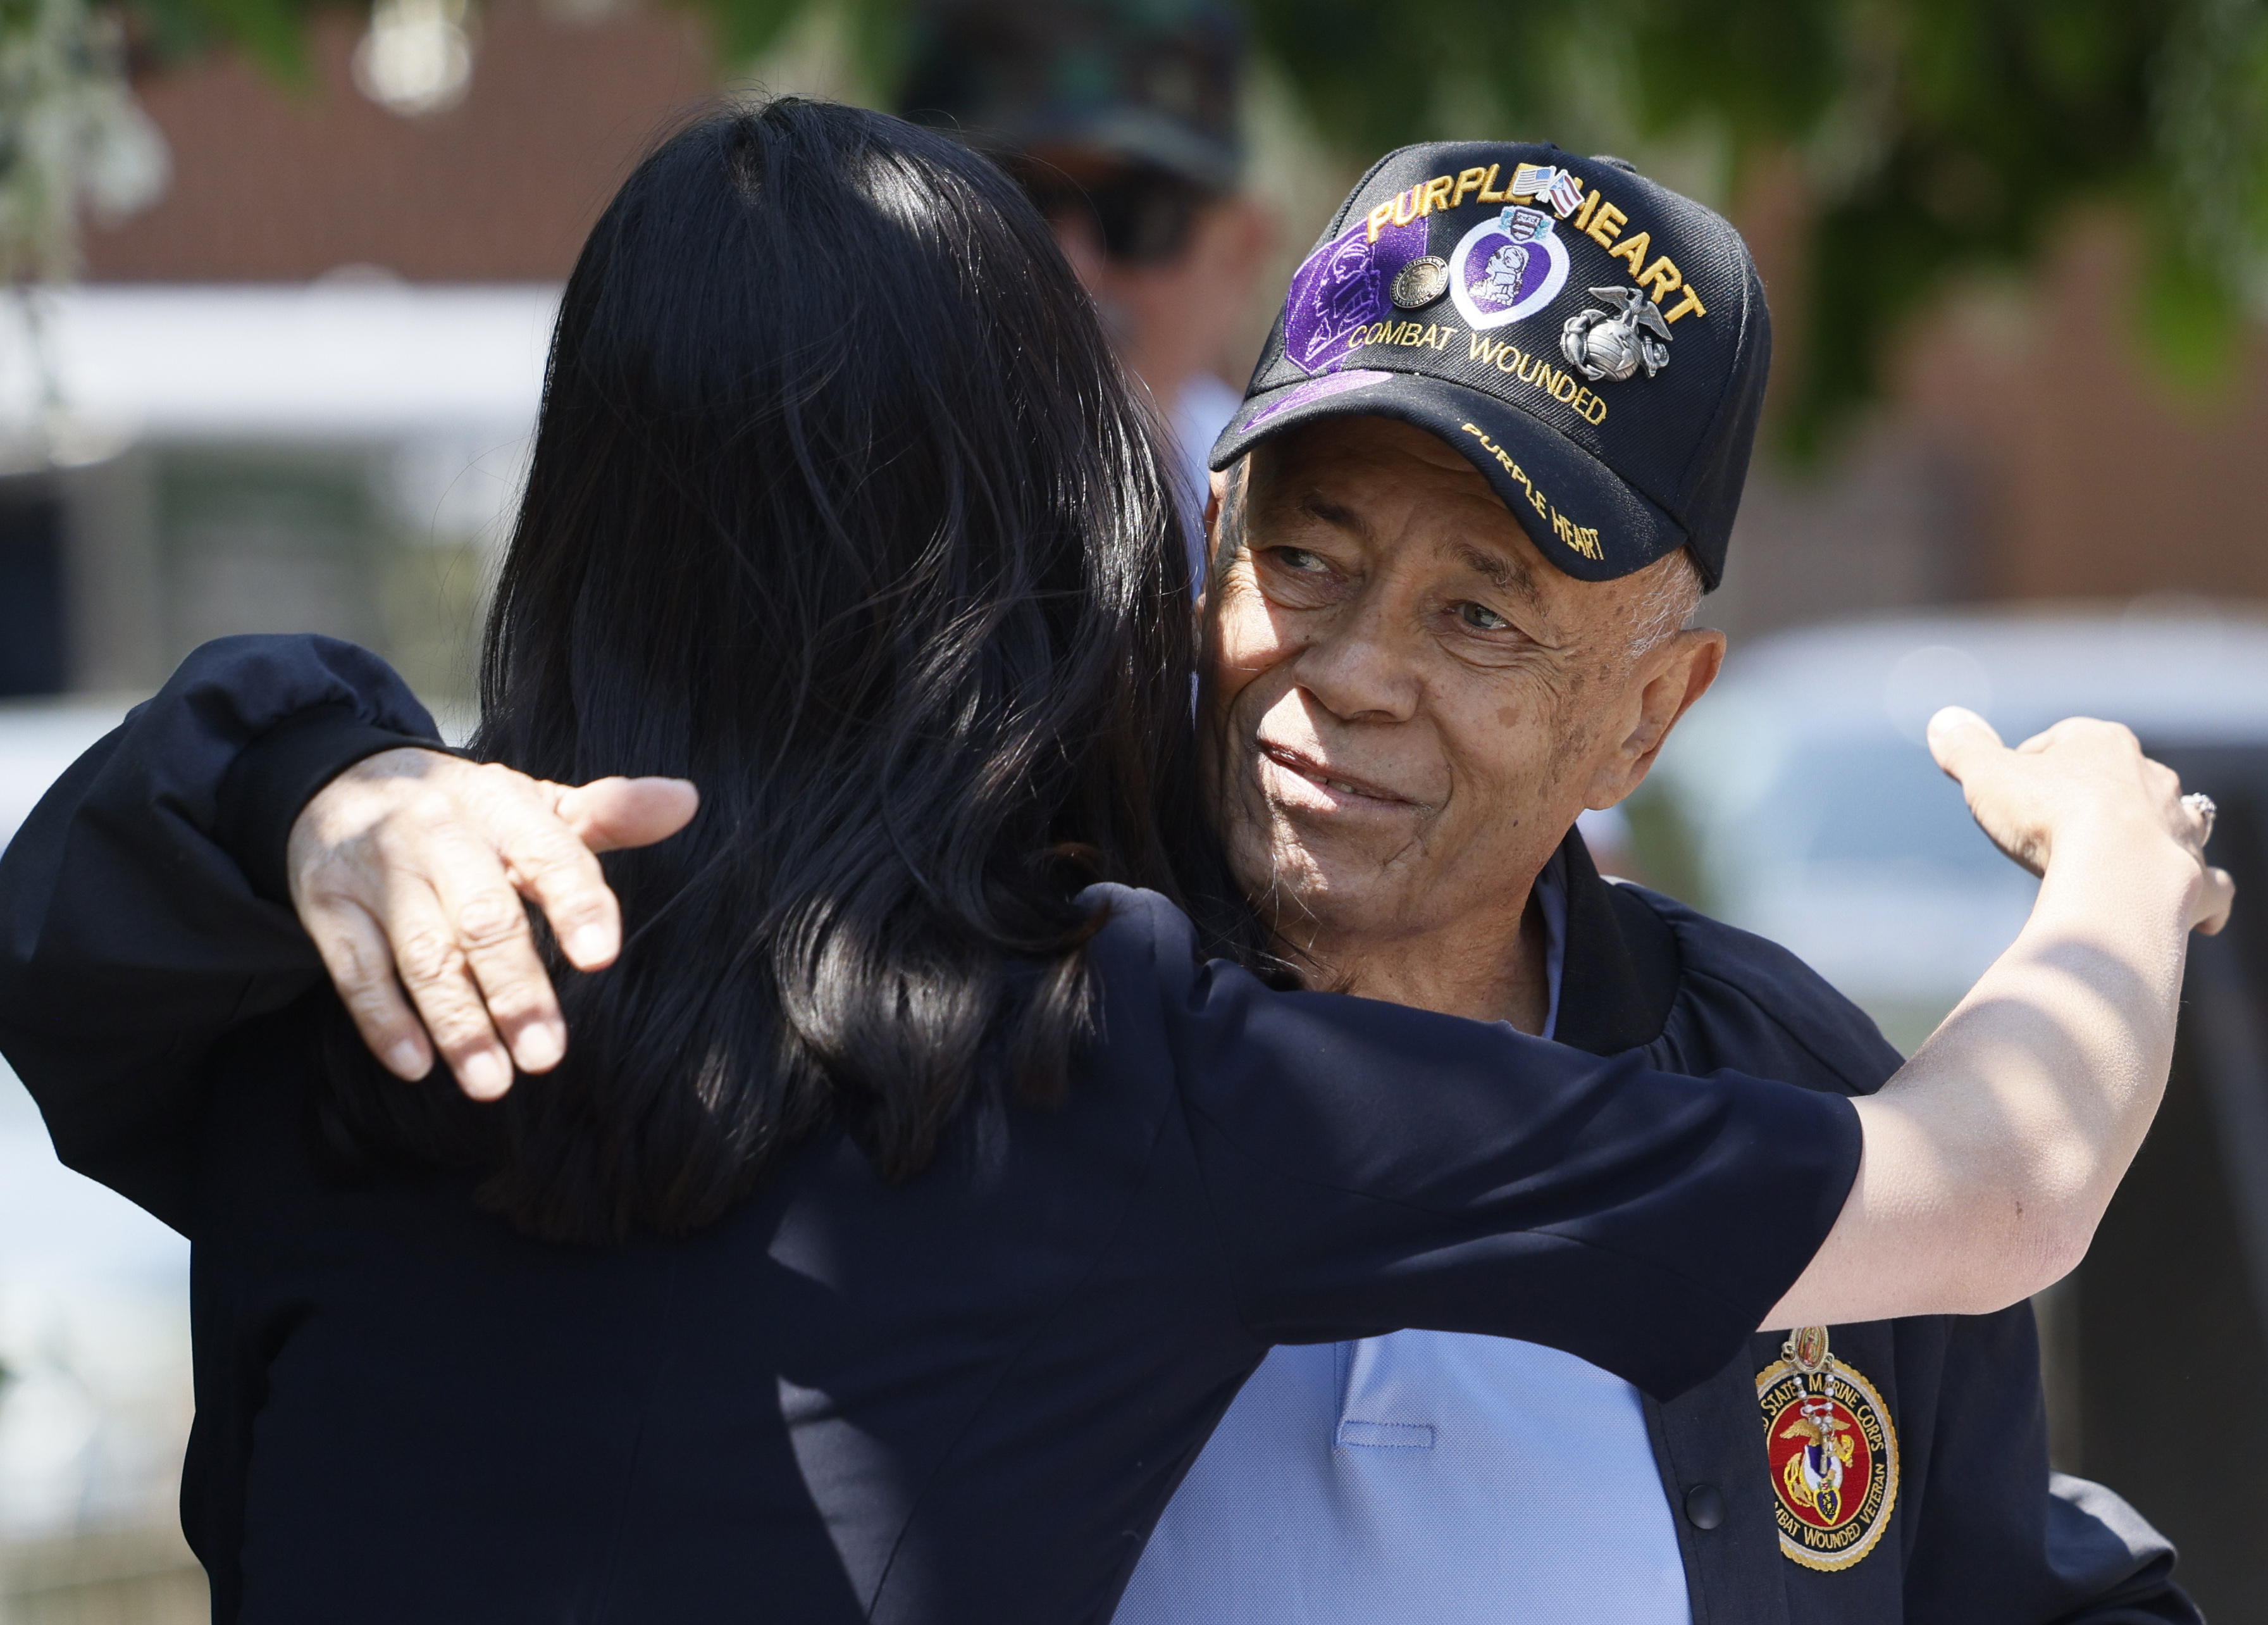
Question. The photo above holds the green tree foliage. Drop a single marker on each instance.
(71, 138)
(1944, 137)
(1936, 139)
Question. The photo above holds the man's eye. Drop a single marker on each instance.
(1480, 617)
(1299, 559)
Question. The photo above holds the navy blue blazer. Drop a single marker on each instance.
(963, 1398)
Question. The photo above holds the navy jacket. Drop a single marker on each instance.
(1979, 1529)
(965, 1397)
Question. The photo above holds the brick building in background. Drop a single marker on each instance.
(283, 184)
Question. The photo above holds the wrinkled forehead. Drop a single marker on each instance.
(1406, 495)
(1378, 474)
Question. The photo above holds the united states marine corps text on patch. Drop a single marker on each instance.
(1833, 1452)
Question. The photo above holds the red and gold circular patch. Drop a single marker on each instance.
(1834, 1454)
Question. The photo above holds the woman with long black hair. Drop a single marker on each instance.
(916, 1193)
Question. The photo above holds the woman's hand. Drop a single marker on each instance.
(1990, 1155)
(2084, 779)
(408, 871)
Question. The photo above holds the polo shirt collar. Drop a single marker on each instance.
(1620, 968)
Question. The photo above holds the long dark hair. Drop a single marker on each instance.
(841, 508)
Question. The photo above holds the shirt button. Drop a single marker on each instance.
(1704, 1506)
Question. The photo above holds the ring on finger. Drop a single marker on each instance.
(2201, 804)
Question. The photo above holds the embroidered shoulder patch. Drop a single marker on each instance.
(1833, 1452)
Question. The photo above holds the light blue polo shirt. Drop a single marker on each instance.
(1425, 1478)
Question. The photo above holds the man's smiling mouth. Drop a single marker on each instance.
(1327, 779)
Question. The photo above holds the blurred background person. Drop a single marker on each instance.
(1124, 121)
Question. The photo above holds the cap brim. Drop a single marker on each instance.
(1579, 513)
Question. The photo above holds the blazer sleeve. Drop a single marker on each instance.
(143, 911)
(2006, 1541)
(1369, 1167)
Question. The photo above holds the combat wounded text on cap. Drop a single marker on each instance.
(1596, 344)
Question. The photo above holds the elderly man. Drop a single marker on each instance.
(1487, 466)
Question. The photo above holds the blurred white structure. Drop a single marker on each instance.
(415, 57)
(93, 1292)
(342, 457)
(355, 357)
(1822, 822)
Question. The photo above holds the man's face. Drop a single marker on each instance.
(1407, 706)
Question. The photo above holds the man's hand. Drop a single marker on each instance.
(407, 870)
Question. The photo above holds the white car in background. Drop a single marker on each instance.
(1816, 817)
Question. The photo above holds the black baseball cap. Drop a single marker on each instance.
(1596, 344)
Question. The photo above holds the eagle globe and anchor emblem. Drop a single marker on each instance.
(1833, 1453)
(1600, 344)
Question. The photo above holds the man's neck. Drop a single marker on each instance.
(1489, 965)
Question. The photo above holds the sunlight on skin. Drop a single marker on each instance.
(1406, 708)
(1992, 1155)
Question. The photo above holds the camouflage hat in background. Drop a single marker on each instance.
(1152, 84)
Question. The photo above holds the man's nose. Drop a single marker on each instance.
(1361, 669)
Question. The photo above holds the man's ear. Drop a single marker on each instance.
(1216, 487)
(1677, 674)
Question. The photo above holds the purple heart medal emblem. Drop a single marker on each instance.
(1507, 268)
(1343, 286)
